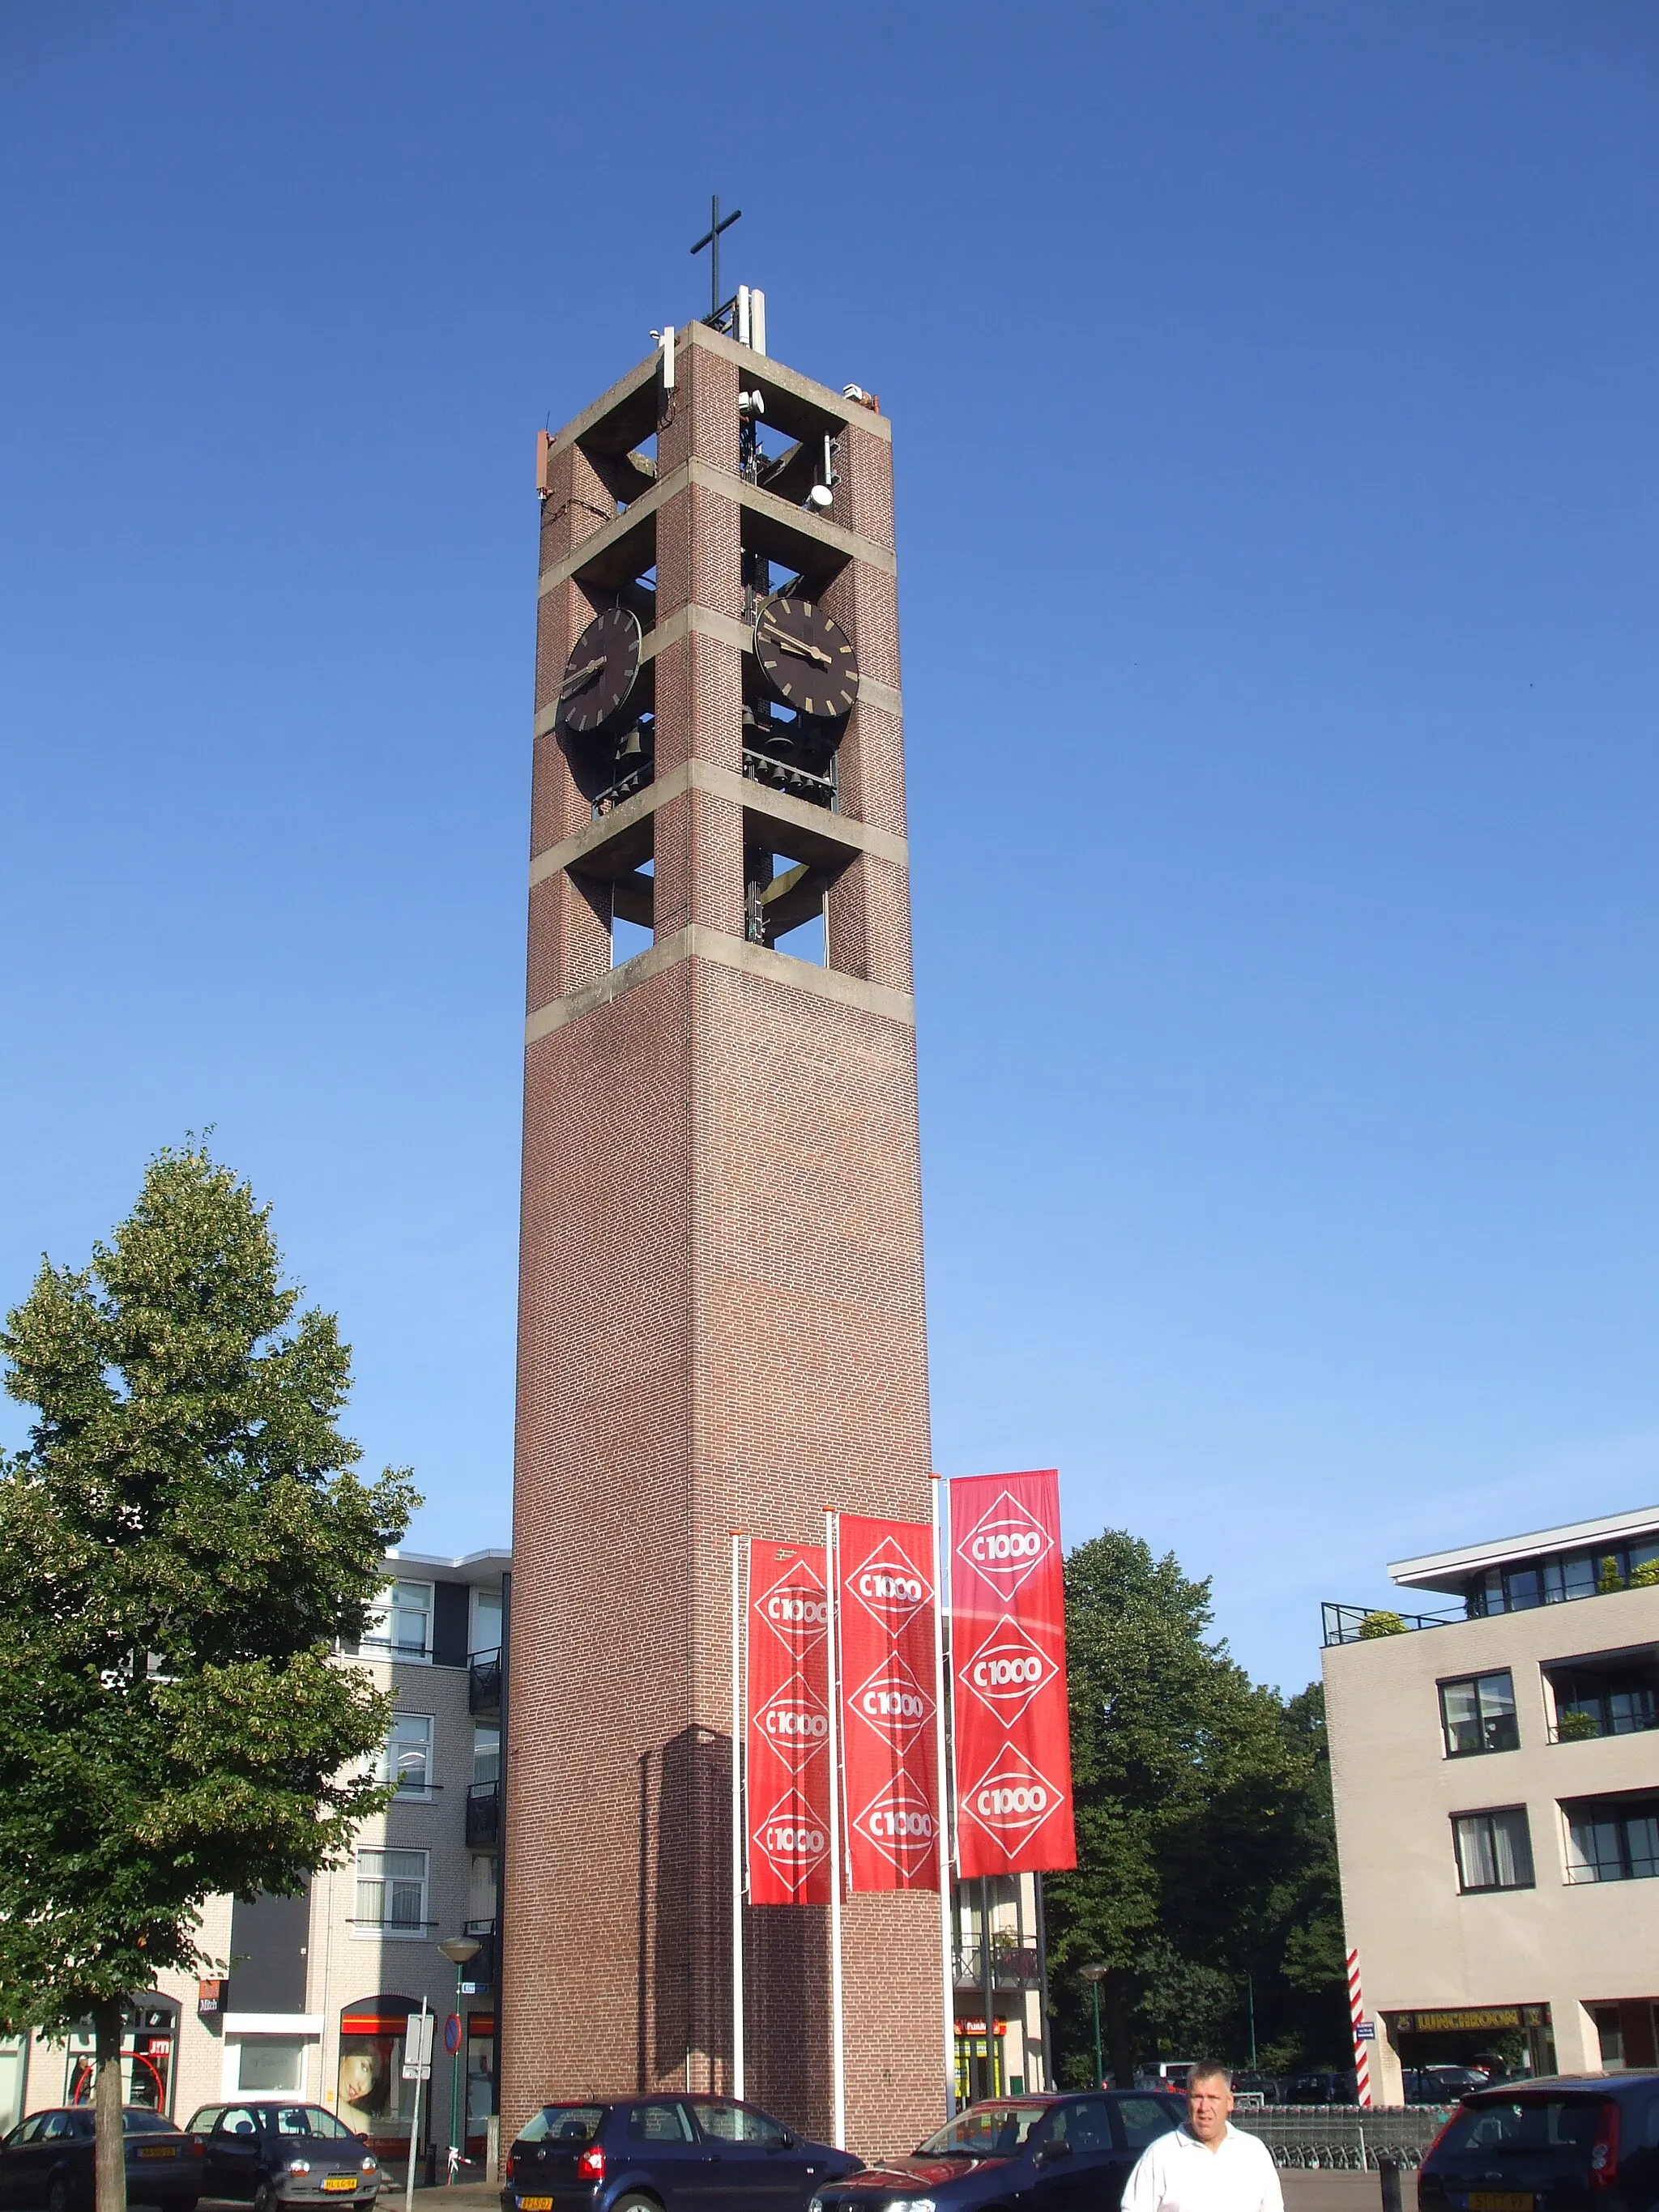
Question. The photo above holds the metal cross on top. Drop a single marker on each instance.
(712, 237)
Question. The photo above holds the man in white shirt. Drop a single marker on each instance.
(1207, 2165)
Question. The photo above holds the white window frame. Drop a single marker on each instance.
(409, 1732)
(385, 1632)
(370, 1867)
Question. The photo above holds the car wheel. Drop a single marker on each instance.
(637, 2201)
(58, 2193)
(265, 2198)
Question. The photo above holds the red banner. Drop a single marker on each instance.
(885, 1602)
(788, 1728)
(1011, 1730)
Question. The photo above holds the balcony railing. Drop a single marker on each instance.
(1358, 1624)
(483, 1816)
(1010, 1969)
(484, 1686)
(1577, 1725)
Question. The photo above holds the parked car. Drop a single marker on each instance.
(1561, 2142)
(681, 2154)
(1443, 2085)
(1047, 2154)
(47, 2159)
(272, 2151)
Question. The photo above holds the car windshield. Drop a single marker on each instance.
(576, 2123)
(147, 2123)
(1534, 2126)
(309, 2120)
(984, 2132)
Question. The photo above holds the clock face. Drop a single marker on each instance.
(807, 657)
(600, 671)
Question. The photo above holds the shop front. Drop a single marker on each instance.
(374, 2098)
(1507, 2038)
(149, 2045)
(480, 2081)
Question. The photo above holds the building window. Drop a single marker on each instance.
(1477, 1714)
(486, 1629)
(390, 1893)
(400, 1626)
(1613, 1840)
(406, 1756)
(1494, 1850)
(486, 1755)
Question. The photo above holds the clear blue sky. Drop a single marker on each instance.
(1274, 397)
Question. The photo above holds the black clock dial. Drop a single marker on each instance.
(600, 671)
(807, 657)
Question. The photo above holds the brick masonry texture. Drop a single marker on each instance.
(721, 1327)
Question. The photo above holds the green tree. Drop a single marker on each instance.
(1206, 1881)
(182, 1542)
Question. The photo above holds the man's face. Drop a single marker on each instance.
(1209, 2100)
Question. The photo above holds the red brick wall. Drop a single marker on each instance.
(721, 1327)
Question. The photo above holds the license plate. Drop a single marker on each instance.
(161, 2150)
(535, 2204)
(1500, 2200)
(340, 2181)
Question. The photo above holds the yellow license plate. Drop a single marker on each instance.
(161, 2150)
(1500, 2200)
(340, 2181)
(535, 2204)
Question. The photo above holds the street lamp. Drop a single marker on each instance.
(458, 1950)
(1095, 1976)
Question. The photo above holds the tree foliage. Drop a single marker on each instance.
(1206, 1847)
(182, 1542)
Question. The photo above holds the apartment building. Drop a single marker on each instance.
(999, 1979)
(318, 1989)
(1495, 1760)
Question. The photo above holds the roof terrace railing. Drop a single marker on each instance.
(1359, 1624)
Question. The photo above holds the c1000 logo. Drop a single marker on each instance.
(891, 1705)
(906, 1588)
(899, 1822)
(1004, 1673)
(794, 1722)
(887, 1824)
(788, 1608)
(1005, 1545)
(1012, 1798)
(891, 1588)
(794, 1842)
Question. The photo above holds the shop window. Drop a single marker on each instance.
(1613, 1839)
(1477, 1714)
(1494, 1849)
(1609, 2035)
(374, 2100)
(392, 1893)
(270, 2065)
(406, 1756)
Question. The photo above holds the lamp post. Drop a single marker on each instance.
(458, 1950)
(1095, 1976)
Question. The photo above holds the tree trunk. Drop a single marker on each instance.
(111, 2153)
(1119, 2048)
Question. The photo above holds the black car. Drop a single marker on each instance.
(271, 2151)
(1047, 2154)
(1551, 2145)
(47, 2159)
(681, 2154)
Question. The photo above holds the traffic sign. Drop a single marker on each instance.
(418, 2046)
(1364, 2031)
(452, 2033)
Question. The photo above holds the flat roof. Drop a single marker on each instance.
(471, 1567)
(1449, 1570)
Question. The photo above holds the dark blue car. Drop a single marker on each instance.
(1043, 2154)
(1558, 2144)
(665, 2154)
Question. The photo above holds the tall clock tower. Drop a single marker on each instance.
(720, 1319)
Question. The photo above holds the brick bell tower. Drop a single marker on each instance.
(720, 1318)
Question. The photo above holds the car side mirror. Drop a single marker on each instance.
(1054, 2150)
(787, 2140)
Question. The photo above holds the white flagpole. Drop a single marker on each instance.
(737, 1817)
(837, 2049)
(941, 1523)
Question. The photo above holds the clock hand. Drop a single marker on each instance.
(574, 683)
(796, 645)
